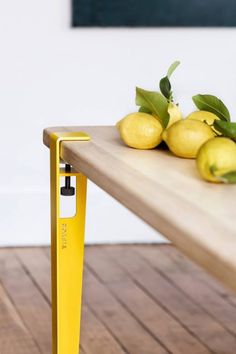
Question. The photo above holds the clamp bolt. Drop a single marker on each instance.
(67, 190)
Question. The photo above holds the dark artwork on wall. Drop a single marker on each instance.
(153, 13)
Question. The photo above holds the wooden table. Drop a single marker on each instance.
(164, 191)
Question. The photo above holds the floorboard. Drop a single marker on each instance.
(14, 336)
(153, 317)
(136, 299)
(177, 271)
(27, 299)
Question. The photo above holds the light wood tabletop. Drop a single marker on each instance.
(164, 191)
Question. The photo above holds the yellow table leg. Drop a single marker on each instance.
(67, 248)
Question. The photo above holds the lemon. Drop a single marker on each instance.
(215, 158)
(185, 137)
(140, 130)
(175, 114)
(203, 116)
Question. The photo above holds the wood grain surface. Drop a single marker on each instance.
(165, 191)
(135, 300)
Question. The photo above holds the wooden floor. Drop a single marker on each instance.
(137, 300)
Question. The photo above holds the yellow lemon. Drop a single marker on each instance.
(185, 137)
(215, 158)
(140, 130)
(203, 116)
(175, 114)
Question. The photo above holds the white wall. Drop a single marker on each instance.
(53, 75)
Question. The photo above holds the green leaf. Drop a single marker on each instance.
(165, 87)
(144, 110)
(155, 102)
(212, 104)
(227, 129)
(229, 177)
(172, 68)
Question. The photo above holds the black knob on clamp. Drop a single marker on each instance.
(67, 190)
